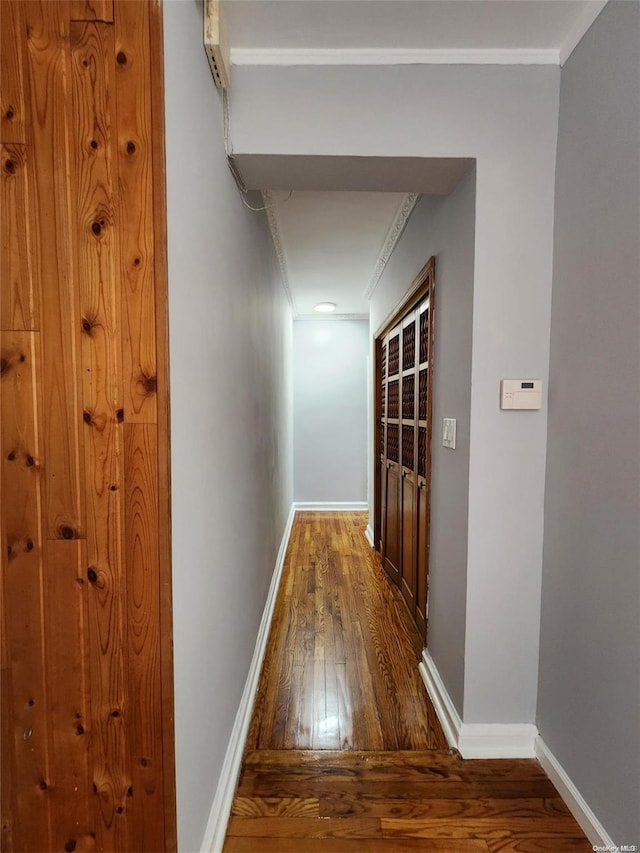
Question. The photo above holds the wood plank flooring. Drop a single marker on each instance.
(345, 752)
(341, 667)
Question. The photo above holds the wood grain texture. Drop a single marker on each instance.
(25, 699)
(96, 247)
(506, 828)
(85, 647)
(340, 670)
(335, 806)
(68, 707)
(135, 211)
(397, 800)
(47, 51)
(19, 295)
(13, 91)
(144, 713)
(538, 845)
(91, 10)
(266, 844)
(276, 807)
(161, 274)
(7, 807)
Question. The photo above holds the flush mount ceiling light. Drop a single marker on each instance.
(325, 307)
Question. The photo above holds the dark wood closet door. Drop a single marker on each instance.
(404, 365)
(392, 520)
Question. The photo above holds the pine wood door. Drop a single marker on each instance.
(86, 663)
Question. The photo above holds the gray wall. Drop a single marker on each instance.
(506, 118)
(589, 699)
(330, 409)
(230, 331)
(444, 227)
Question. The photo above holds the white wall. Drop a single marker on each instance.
(330, 409)
(507, 119)
(589, 700)
(230, 351)
(444, 227)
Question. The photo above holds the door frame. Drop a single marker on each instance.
(423, 286)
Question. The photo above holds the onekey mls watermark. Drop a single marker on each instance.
(615, 848)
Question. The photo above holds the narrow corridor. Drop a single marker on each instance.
(345, 752)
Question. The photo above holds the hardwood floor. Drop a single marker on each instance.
(341, 668)
(345, 753)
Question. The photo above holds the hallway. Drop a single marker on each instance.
(341, 666)
(345, 752)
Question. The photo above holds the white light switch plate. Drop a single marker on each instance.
(449, 433)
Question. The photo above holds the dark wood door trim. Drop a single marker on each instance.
(416, 293)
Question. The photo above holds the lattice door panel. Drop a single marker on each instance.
(393, 443)
(394, 399)
(422, 451)
(408, 397)
(423, 394)
(409, 346)
(424, 336)
(407, 446)
(394, 355)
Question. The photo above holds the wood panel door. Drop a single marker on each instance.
(404, 377)
(392, 520)
(86, 663)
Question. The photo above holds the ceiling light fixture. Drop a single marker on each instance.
(325, 307)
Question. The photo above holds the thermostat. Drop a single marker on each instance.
(521, 394)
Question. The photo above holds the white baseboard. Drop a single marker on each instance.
(369, 535)
(444, 707)
(221, 807)
(475, 740)
(497, 740)
(574, 800)
(330, 506)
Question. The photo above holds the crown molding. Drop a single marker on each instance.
(396, 56)
(272, 219)
(393, 235)
(585, 19)
(324, 317)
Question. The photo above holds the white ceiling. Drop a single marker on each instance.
(330, 242)
(332, 246)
